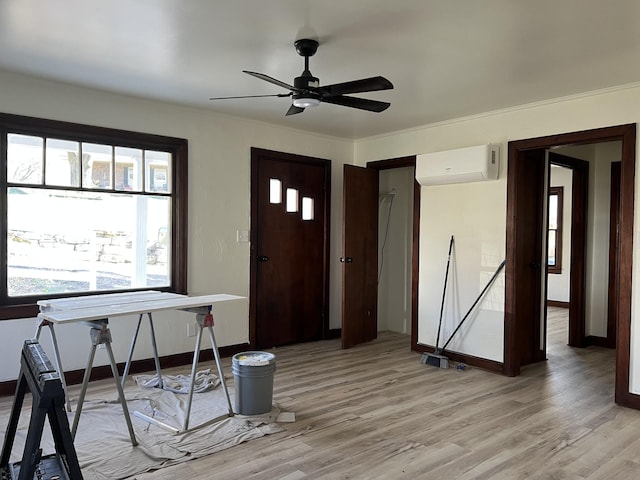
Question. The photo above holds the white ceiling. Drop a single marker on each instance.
(446, 58)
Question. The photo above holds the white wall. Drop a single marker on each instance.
(558, 283)
(219, 205)
(598, 235)
(464, 211)
(396, 223)
(602, 109)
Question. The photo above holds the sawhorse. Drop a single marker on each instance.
(101, 335)
(48, 399)
(204, 319)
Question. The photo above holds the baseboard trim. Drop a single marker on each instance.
(334, 333)
(74, 377)
(598, 341)
(558, 303)
(629, 400)
(482, 363)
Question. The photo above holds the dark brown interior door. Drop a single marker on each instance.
(360, 256)
(289, 240)
(525, 192)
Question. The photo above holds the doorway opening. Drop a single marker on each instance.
(526, 281)
(398, 302)
(558, 281)
(596, 220)
(368, 307)
(395, 243)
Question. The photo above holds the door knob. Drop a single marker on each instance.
(263, 258)
(346, 260)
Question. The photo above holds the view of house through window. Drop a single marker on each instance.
(85, 216)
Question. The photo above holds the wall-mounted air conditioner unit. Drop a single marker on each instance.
(471, 164)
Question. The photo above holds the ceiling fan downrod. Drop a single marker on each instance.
(306, 84)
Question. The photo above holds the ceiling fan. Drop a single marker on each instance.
(307, 92)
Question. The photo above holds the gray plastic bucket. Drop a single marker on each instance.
(253, 380)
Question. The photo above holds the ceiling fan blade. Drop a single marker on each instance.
(293, 110)
(253, 96)
(356, 86)
(269, 79)
(361, 103)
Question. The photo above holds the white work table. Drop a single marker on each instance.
(95, 311)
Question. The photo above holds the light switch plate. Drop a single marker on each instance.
(243, 236)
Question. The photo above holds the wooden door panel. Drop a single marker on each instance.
(289, 260)
(524, 205)
(360, 254)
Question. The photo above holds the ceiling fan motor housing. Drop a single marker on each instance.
(305, 94)
(306, 82)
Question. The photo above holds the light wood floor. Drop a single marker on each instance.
(375, 411)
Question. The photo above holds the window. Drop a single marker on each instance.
(88, 210)
(275, 190)
(554, 238)
(307, 208)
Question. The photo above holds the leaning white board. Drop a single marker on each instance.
(70, 303)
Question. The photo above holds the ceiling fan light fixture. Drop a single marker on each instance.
(304, 102)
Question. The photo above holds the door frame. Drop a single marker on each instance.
(256, 153)
(401, 162)
(612, 290)
(627, 135)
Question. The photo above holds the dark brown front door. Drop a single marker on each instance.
(360, 256)
(289, 248)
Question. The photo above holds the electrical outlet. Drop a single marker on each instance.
(191, 329)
